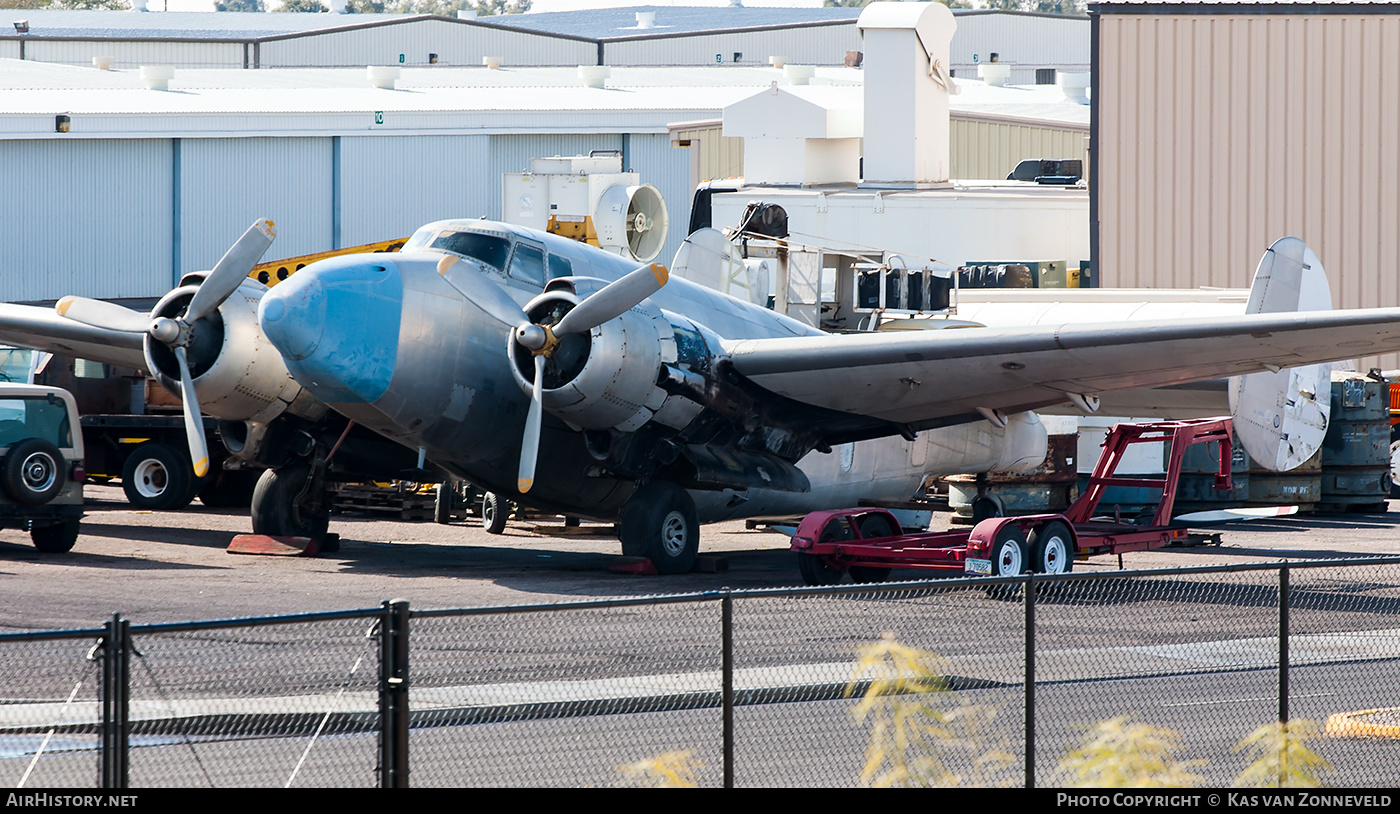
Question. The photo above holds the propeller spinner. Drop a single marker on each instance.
(178, 332)
(542, 340)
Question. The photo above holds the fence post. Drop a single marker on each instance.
(726, 604)
(1283, 599)
(1030, 680)
(393, 695)
(115, 730)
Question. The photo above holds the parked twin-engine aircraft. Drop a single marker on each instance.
(560, 375)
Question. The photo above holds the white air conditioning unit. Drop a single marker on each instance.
(590, 199)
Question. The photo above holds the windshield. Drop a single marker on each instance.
(490, 250)
(14, 364)
(34, 417)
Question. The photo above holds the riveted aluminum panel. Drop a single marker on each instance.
(226, 184)
(1221, 132)
(85, 217)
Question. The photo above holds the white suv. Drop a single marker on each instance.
(41, 464)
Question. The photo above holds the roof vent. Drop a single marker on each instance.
(646, 19)
(777, 62)
(994, 73)
(157, 77)
(1075, 85)
(594, 76)
(493, 63)
(21, 26)
(338, 6)
(103, 63)
(466, 14)
(382, 76)
(799, 74)
(138, 5)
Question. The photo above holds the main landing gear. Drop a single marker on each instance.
(659, 523)
(293, 501)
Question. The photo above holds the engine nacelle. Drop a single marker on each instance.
(607, 378)
(237, 372)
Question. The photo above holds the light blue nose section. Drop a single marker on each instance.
(336, 323)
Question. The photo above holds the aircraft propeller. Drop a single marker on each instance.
(178, 333)
(609, 302)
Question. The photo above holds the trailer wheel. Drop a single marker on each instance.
(157, 478)
(1009, 556)
(817, 571)
(1052, 549)
(494, 511)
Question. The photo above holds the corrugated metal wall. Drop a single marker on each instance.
(983, 150)
(226, 184)
(392, 185)
(455, 44)
(1029, 40)
(85, 216)
(813, 45)
(1219, 133)
(130, 54)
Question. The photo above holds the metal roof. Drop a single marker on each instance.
(186, 25)
(234, 102)
(671, 21)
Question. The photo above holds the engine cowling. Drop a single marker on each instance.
(606, 378)
(237, 373)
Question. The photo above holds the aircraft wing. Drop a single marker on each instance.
(28, 326)
(923, 378)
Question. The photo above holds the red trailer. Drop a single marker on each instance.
(868, 542)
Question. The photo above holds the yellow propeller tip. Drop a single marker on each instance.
(63, 306)
(524, 484)
(201, 467)
(660, 272)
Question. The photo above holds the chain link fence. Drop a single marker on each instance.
(973, 682)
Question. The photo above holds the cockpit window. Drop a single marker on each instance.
(488, 249)
(528, 264)
(560, 267)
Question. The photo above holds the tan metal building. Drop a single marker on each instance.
(1219, 128)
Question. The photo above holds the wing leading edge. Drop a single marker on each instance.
(28, 326)
(917, 378)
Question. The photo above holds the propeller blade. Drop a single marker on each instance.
(194, 422)
(231, 270)
(101, 314)
(530, 442)
(613, 300)
(485, 294)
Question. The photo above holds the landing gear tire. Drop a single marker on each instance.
(54, 538)
(157, 478)
(442, 503)
(494, 512)
(276, 512)
(817, 571)
(660, 522)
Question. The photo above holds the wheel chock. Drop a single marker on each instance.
(273, 546)
(641, 566)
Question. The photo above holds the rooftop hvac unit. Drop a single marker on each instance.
(589, 199)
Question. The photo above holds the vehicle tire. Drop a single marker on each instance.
(1052, 549)
(54, 538)
(985, 507)
(494, 512)
(1009, 552)
(869, 574)
(443, 496)
(228, 489)
(33, 472)
(1395, 468)
(878, 525)
(157, 478)
(275, 512)
(660, 521)
(817, 571)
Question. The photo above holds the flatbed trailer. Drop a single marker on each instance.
(867, 542)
